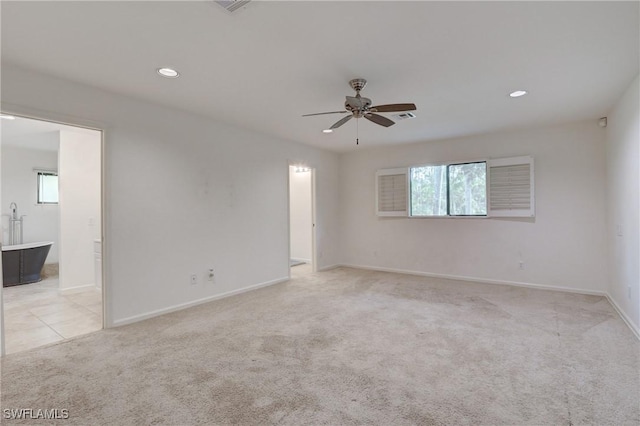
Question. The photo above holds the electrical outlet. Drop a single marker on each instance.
(194, 279)
(211, 275)
(521, 265)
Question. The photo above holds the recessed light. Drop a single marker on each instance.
(518, 93)
(7, 117)
(168, 72)
(327, 131)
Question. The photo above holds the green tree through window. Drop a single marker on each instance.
(429, 191)
(468, 189)
(454, 190)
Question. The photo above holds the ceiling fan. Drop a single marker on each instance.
(359, 106)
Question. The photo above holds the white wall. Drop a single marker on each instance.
(623, 202)
(79, 188)
(183, 193)
(2, 241)
(300, 214)
(563, 247)
(19, 185)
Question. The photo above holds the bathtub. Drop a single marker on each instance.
(22, 263)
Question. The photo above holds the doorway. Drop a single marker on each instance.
(51, 207)
(302, 237)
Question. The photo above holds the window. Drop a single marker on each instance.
(502, 187)
(429, 191)
(47, 187)
(449, 190)
(468, 189)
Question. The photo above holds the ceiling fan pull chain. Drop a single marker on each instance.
(357, 131)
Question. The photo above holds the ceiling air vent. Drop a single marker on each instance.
(232, 5)
(405, 115)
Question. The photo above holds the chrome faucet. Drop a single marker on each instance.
(14, 210)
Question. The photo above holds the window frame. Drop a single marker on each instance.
(410, 209)
(447, 164)
(514, 193)
(39, 187)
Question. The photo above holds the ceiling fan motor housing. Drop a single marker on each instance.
(358, 106)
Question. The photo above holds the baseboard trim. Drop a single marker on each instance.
(624, 316)
(76, 289)
(174, 308)
(479, 280)
(330, 267)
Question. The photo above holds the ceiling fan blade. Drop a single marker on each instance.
(394, 108)
(378, 119)
(323, 113)
(342, 121)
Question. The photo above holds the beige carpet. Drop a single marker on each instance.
(348, 347)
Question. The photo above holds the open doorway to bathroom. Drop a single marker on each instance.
(51, 205)
(301, 220)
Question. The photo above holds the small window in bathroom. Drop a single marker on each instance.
(47, 188)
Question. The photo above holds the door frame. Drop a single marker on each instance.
(52, 117)
(314, 249)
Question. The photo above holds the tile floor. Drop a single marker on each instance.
(36, 314)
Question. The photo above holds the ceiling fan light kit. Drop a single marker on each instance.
(358, 106)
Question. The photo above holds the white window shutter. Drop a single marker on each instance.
(392, 192)
(511, 187)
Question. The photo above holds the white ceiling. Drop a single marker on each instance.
(266, 65)
(34, 134)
